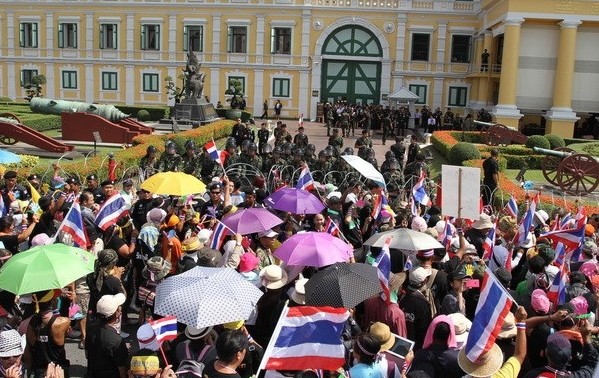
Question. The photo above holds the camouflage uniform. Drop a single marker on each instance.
(300, 140)
(148, 165)
(168, 162)
(189, 163)
(336, 142)
(344, 122)
(263, 135)
(330, 119)
(207, 168)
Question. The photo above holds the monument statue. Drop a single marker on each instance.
(194, 79)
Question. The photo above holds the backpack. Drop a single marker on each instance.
(428, 293)
(190, 369)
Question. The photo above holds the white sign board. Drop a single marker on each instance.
(469, 198)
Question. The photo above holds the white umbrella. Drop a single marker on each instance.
(404, 239)
(366, 169)
(203, 297)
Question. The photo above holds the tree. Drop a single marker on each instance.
(34, 89)
(236, 92)
(174, 92)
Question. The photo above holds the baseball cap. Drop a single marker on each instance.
(108, 304)
(419, 275)
(267, 234)
(558, 350)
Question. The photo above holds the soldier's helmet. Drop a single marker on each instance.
(277, 151)
(231, 143)
(267, 149)
(170, 147)
(190, 145)
(245, 145)
(328, 153)
(369, 153)
(151, 150)
(288, 148)
(310, 149)
(299, 152)
(389, 155)
(393, 164)
(348, 151)
(322, 153)
(252, 147)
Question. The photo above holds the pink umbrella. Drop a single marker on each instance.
(251, 220)
(295, 201)
(314, 249)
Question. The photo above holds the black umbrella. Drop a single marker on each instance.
(342, 285)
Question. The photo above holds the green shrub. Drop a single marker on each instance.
(555, 141)
(143, 115)
(537, 141)
(42, 122)
(519, 161)
(570, 141)
(5, 99)
(155, 113)
(468, 136)
(463, 151)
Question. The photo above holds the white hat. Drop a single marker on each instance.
(204, 235)
(298, 292)
(146, 337)
(156, 215)
(12, 344)
(418, 224)
(194, 333)
(483, 222)
(108, 304)
(273, 277)
(267, 234)
(440, 227)
(529, 242)
(542, 216)
(418, 275)
(461, 325)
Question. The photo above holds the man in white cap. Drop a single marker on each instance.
(416, 307)
(106, 351)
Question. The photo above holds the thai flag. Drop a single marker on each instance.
(508, 259)
(560, 258)
(512, 207)
(571, 238)
(447, 235)
(491, 309)
(300, 122)
(408, 265)
(307, 338)
(565, 220)
(218, 236)
(112, 209)
(557, 290)
(213, 151)
(383, 265)
(165, 328)
(581, 217)
(305, 181)
(555, 224)
(331, 227)
(2, 206)
(489, 243)
(419, 192)
(526, 222)
(73, 225)
(414, 207)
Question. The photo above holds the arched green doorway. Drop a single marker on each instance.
(351, 67)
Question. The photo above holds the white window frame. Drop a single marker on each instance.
(230, 38)
(273, 40)
(64, 36)
(425, 92)
(186, 35)
(114, 35)
(280, 95)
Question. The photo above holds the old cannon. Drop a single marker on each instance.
(495, 134)
(47, 106)
(572, 172)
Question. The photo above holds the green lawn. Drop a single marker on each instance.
(535, 175)
(435, 165)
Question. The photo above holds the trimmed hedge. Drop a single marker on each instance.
(468, 136)
(222, 113)
(155, 113)
(570, 141)
(555, 141)
(537, 141)
(143, 115)
(463, 151)
(42, 122)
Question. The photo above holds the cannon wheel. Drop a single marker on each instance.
(5, 139)
(550, 164)
(578, 174)
(497, 135)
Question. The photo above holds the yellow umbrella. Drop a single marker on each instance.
(173, 184)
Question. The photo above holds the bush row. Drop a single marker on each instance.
(42, 122)
(155, 113)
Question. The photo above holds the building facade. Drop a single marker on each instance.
(541, 59)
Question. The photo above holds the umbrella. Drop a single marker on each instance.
(45, 267)
(342, 285)
(203, 297)
(249, 221)
(295, 201)
(7, 157)
(173, 184)
(365, 168)
(314, 249)
(405, 239)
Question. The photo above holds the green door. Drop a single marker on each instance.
(356, 81)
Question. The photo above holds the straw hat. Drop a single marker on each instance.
(508, 329)
(483, 222)
(194, 333)
(273, 277)
(490, 364)
(382, 333)
(191, 244)
(298, 292)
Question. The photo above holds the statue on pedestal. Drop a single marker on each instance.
(194, 79)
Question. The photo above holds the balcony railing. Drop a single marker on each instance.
(403, 5)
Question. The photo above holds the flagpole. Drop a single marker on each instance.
(273, 339)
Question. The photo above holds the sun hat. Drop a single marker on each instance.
(145, 365)
(432, 232)
(234, 325)
(461, 325)
(273, 277)
(204, 235)
(108, 304)
(208, 257)
(382, 333)
(191, 244)
(541, 216)
(581, 306)
(418, 224)
(589, 246)
(508, 328)
(146, 337)
(298, 291)
(589, 230)
(156, 268)
(489, 364)
(248, 262)
(156, 215)
(194, 333)
(483, 222)
(418, 275)
(440, 227)
(558, 349)
(41, 239)
(267, 234)
(426, 253)
(12, 344)
(540, 302)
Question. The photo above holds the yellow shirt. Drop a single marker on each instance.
(510, 369)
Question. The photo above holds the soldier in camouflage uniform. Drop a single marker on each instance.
(399, 150)
(274, 161)
(281, 136)
(388, 156)
(169, 160)
(310, 157)
(298, 158)
(263, 135)
(370, 157)
(207, 168)
(189, 160)
(393, 175)
(362, 143)
(386, 126)
(321, 167)
(252, 158)
(149, 161)
(335, 140)
(330, 114)
(344, 122)
(413, 170)
(231, 156)
(300, 139)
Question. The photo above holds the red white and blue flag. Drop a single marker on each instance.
(307, 338)
(557, 290)
(218, 236)
(447, 235)
(512, 207)
(526, 222)
(305, 180)
(213, 151)
(489, 243)
(491, 310)
(383, 265)
(110, 212)
(419, 192)
(300, 122)
(565, 220)
(581, 217)
(571, 238)
(73, 225)
(165, 328)
(331, 227)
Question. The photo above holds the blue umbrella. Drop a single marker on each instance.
(7, 157)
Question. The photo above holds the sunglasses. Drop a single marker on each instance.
(214, 192)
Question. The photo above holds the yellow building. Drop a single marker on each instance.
(542, 54)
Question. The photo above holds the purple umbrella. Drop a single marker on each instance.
(251, 220)
(295, 201)
(314, 249)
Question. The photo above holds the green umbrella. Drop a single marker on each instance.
(45, 267)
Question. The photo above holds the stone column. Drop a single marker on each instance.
(441, 40)
(506, 111)
(561, 117)
(89, 83)
(172, 33)
(50, 87)
(10, 33)
(50, 30)
(260, 31)
(130, 88)
(216, 28)
(89, 34)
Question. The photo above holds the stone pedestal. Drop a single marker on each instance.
(195, 110)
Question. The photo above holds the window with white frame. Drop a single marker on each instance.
(109, 81)
(67, 35)
(458, 96)
(420, 46)
(193, 38)
(461, 47)
(280, 87)
(150, 82)
(150, 37)
(108, 36)
(26, 76)
(237, 39)
(28, 34)
(419, 90)
(280, 40)
(69, 79)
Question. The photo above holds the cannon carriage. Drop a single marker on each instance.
(495, 134)
(574, 173)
